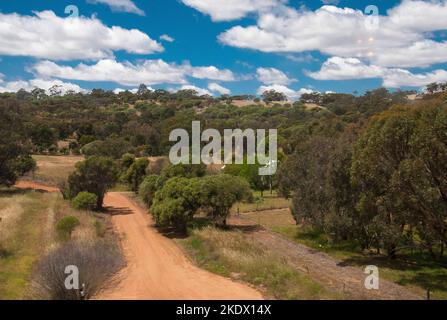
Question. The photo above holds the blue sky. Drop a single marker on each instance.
(222, 46)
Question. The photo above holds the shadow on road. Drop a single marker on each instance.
(115, 211)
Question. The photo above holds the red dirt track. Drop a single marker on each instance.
(156, 267)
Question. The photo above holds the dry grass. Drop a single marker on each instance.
(234, 254)
(10, 213)
(27, 233)
(91, 225)
(27, 238)
(270, 219)
(267, 202)
(54, 169)
(413, 271)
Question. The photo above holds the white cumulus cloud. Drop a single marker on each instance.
(403, 37)
(148, 72)
(167, 38)
(29, 85)
(226, 10)
(45, 35)
(200, 91)
(218, 88)
(290, 93)
(337, 68)
(121, 5)
(273, 76)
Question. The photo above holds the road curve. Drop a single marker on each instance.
(157, 268)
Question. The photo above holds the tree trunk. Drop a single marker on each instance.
(392, 252)
(99, 202)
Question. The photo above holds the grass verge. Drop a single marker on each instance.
(233, 254)
(269, 201)
(24, 244)
(412, 269)
(27, 233)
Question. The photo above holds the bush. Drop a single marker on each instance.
(66, 226)
(148, 187)
(100, 228)
(85, 201)
(136, 172)
(112, 147)
(96, 261)
(176, 203)
(220, 192)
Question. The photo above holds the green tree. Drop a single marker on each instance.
(150, 185)
(86, 139)
(136, 172)
(43, 137)
(126, 161)
(433, 87)
(378, 154)
(250, 172)
(218, 193)
(15, 160)
(304, 177)
(400, 167)
(176, 203)
(184, 170)
(273, 96)
(24, 164)
(112, 147)
(95, 175)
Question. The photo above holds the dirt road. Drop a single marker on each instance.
(156, 267)
(35, 186)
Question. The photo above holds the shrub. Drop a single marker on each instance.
(100, 228)
(66, 226)
(136, 172)
(96, 261)
(176, 203)
(112, 147)
(148, 187)
(127, 160)
(85, 201)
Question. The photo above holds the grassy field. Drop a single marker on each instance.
(27, 232)
(412, 269)
(234, 255)
(25, 236)
(54, 169)
(267, 202)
